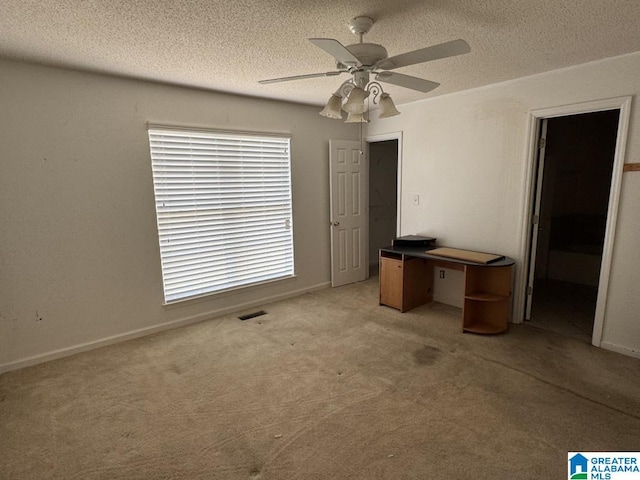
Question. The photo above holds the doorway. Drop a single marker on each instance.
(383, 197)
(571, 205)
(354, 213)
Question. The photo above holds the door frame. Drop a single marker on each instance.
(623, 104)
(535, 216)
(381, 137)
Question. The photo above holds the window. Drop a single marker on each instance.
(223, 207)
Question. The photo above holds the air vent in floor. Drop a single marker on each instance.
(249, 316)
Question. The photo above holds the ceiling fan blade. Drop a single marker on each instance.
(301, 77)
(407, 81)
(336, 50)
(435, 52)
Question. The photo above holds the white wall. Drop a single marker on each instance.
(79, 256)
(465, 155)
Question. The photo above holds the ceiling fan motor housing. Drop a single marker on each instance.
(368, 53)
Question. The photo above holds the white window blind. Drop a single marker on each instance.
(223, 206)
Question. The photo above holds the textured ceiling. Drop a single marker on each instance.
(229, 46)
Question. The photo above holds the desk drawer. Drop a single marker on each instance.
(391, 274)
(405, 284)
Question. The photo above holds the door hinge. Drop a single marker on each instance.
(529, 290)
(535, 220)
(542, 142)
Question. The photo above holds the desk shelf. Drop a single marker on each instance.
(483, 328)
(482, 296)
(487, 299)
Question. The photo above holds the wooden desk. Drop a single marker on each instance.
(406, 281)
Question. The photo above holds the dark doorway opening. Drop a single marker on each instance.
(576, 181)
(383, 198)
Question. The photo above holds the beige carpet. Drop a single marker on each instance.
(328, 385)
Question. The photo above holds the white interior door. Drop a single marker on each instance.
(535, 220)
(349, 218)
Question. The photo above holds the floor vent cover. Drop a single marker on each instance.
(252, 315)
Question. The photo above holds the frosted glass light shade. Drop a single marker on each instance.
(355, 102)
(387, 108)
(333, 108)
(356, 118)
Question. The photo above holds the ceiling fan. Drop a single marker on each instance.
(364, 59)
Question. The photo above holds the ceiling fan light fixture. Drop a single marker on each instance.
(356, 101)
(387, 108)
(356, 118)
(333, 108)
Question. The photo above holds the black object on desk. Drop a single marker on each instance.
(413, 241)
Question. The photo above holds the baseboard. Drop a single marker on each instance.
(620, 349)
(103, 342)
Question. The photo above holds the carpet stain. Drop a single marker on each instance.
(427, 355)
(254, 472)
